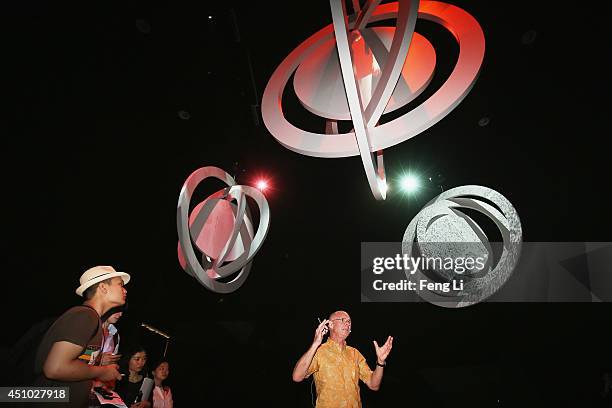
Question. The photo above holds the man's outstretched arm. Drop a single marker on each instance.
(381, 357)
(301, 367)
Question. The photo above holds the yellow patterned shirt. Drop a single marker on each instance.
(336, 374)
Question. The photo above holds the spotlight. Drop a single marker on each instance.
(184, 115)
(262, 184)
(484, 121)
(409, 183)
(143, 26)
(529, 37)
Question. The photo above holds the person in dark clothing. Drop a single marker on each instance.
(68, 354)
(129, 387)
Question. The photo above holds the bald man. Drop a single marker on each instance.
(337, 367)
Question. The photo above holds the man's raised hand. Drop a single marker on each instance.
(320, 332)
(383, 352)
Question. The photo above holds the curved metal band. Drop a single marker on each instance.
(375, 176)
(208, 276)
(506, 219)
(466, 31)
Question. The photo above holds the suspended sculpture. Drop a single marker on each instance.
(441, 229)
(220, 228)
(352, 71)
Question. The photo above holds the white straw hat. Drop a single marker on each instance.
(97, 274)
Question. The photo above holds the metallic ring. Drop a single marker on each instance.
(216, 268)
(505, 218)
(368, 137)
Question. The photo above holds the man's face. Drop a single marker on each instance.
(340, 324)
(114, 293)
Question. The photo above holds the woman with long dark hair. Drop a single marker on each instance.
(134, 368)
(162, 395)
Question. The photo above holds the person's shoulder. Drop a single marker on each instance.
(79, 313)
(324, 346)
(81, 309)
(322, 350)
(353, 351)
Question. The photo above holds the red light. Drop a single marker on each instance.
(262, 185)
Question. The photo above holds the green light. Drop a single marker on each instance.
(409, 183)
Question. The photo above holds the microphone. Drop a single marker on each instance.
(154, 330)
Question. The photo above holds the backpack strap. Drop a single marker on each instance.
(94, 333)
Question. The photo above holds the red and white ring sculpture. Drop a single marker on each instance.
(350, 84)
(221, 228)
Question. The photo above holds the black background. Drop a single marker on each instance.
(96, 151)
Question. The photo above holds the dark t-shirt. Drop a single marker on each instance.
(79, 325)
(128, 391)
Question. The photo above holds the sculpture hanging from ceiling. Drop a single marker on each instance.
(350, 70)
(220, 229)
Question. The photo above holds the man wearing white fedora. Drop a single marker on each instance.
(69, 352)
